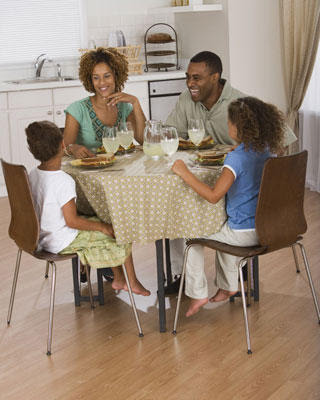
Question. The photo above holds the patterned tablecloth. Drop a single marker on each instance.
(145, 201)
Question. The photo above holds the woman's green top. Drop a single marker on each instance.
(91, 128)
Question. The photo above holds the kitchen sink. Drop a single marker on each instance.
(42, 80)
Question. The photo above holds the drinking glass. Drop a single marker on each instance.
(110, 140)
(169, 140)
(125, 135)
(196, 131)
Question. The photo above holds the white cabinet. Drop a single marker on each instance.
(5, 152)
(140, 90)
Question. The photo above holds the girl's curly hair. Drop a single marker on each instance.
(110, 56)
(44, 139)
(260, 125)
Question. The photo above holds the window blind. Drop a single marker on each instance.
(31, 27)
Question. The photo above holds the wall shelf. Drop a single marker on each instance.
(184, 9)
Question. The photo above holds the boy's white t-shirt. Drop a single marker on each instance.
(51, 190)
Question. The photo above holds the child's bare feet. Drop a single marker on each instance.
(119, 284)
(221, 295)
(195, 305)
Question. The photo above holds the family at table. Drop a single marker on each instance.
(256, 130)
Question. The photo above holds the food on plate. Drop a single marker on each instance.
(121, 150)
(159, 38)
(210, 158)
(93, 161)
(206, 143)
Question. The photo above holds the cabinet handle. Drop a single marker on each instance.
(58, 112)
(49, 112)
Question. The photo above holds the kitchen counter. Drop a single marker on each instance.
(146, 76)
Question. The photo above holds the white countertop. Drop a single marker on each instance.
(146, 76)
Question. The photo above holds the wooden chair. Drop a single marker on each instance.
(24, 230)
(279, 222)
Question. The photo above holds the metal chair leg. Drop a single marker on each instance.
(89, 286)
(249, 274)
(132, 301)
(53, 288)
(241, 265)
(306, 264)
(14, 285)
(174, 331)
(295, 257)
(47, 270)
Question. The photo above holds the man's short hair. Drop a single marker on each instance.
(212, 61)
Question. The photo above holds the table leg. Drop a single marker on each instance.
(160, 276)
(168, 262)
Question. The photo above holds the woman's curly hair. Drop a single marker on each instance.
(44, 139)
(110, 56)
(260, 125)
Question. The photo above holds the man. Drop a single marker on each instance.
(207, 98)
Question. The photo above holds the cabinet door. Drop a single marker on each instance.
(4, 146)
(140, 90)
(59, 117)
(19, 120)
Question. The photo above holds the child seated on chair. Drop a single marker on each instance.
(62, 230)
(258, 130)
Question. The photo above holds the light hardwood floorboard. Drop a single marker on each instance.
(97, 354)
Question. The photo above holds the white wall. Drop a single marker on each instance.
(205, 31)
(254, 48)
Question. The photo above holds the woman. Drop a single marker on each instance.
(103, 72)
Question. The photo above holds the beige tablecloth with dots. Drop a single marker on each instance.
(145, 201)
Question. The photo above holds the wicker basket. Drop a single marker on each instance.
(132, 54)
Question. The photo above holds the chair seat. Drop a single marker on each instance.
(227, 248)
(52, 257)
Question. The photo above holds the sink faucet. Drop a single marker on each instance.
(39, 63)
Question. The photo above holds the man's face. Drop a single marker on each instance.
(200, 82)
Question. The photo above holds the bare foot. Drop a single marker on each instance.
(119, 284)
(221, 295)
(138, 288)
(195, 305)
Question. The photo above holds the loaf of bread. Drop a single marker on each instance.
(159, 38)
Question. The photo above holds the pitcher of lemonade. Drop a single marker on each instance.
(152, 139)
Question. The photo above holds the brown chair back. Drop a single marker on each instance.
(280, 216)
(24, 225)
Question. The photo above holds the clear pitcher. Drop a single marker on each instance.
(152, 139)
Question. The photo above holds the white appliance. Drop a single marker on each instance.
(163, 96)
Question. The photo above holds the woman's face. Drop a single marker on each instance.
(233, 131)
(103, 80)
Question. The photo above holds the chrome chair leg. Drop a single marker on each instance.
(306, 264)
(174, 331)
(14, 285)
(249, 274)
(295, 257)
(241, 265)
(53, 288)
(89, 286)
(132, 301)
(47, 270)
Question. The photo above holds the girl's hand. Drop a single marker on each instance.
(179, 168)
(79, 151)
(107, 229)
(115, 98)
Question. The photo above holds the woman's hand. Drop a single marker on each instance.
(107, 229)
(79, 151)
(122, 97)
(179, 168)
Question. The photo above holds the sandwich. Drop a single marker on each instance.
(93, 161)
(184, 144)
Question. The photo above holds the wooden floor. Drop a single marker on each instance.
(97, 354)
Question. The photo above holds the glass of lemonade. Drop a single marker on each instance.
(196, 131)
(110, 140)
(152, 140)
(169, 140)
(125, 135)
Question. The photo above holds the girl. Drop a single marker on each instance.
(258, 130)
(62, 230)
